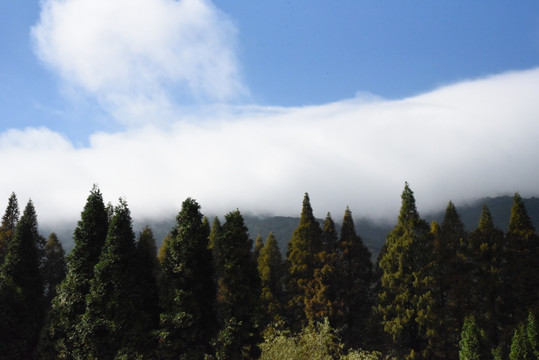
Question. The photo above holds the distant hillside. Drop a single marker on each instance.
(371, 232)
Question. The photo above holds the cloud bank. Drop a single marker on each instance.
(463, 141)
(144, 60)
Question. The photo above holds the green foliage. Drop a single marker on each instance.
(188, 321)
(533, 334)
(9, 225)
(302, 259)
(470, 341)
(59, 336)
(405, 297)
(271, 278)
(113, 314)
(520, 346)
(238, 292)
(54, 267)
(21, 290)
(354, 279)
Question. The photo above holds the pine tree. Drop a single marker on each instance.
(302, 259)
(532, 334)
(405, 299)
(520, 346)
(214, 232)
(522, 265)
(59, 335)
(111, 322)
(321, 298)
(259, 244)
(21, 290)
(147, 277)
(271, 278)
(9, 225)
(487, 284)
(54, 267)
(355, 283)
(450, 282)
(470, 342)
(188, 321)
(238, 291)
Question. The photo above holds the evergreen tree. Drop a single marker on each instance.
(147, 276)
(188, 321)
(405, 300)
(21, 290)
(302, 259)
(54, 267)
(321, 298)
(487, 284)
(470, 342)
(59, 336)
(450, 290)
(520, 346)
(522, 266)
(214, 232)
(533, 334)
(271, 278)
(9, 225)
(111, 322)
(355, 283)
(238, 292)
(259, 244)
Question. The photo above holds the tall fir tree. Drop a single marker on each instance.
(520, 346)
(259, 244)
(450, 290)
(470, 344)
(405, 298)
(9, 225)
(21, 290)
(302, 260)
(54, 267)
(522, 264)
(487, 282)
(148, 273)
(59, 335)
(238, 291)
(321, 298)
(270, 270)
(188, 322)
(355, 276)
(111, 324)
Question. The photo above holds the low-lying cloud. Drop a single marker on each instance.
(463, 141)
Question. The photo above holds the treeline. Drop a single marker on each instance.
(435, 291)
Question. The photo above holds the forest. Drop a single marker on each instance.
(435, 290)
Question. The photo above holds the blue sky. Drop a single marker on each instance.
(279, 97)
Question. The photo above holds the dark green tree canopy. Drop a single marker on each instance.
(8, 225)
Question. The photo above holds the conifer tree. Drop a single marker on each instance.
(302, 259)
(111, 322)
(147, 276)
(238, 291)
(9, 225)
(271, 278)
(54, 267)
(487, 282)
(520, 346)
(259, 244)
(533, 334)
(355, 283)
(188, 321)
(59, 335)
(522, 264)
(405, 299)
(470, 341)
(449, 282)
(21, 290)
(214, 232)
(321, 298)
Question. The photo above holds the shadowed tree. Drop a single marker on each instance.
(54, 267)
(302, 259)
(188, 320)
(59, 336)
(270, 266)
(238, 291)
(21, 290)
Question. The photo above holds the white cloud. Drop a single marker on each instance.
(463, 141)
(138, 57)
